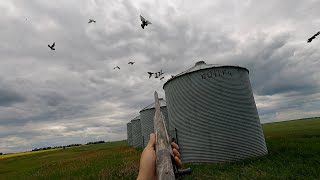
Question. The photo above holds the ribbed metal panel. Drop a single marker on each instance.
(146, 119)
(136, 132)
(214, 112)
(129, 133)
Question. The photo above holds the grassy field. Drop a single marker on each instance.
(294, 153)
(113, 160)
(25, 153)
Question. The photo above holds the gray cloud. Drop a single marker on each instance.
(9, 97)
(73, 95)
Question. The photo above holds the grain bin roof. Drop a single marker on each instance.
(136, 118)
(199, 66)
(151, 106)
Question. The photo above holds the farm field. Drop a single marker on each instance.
(294, 153)
(26, 153)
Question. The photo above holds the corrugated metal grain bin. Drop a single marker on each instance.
(129, 133)
(146, 119)
(136, 132)
(214, 112)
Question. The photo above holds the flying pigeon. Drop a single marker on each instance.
(157, 76)
(117, 67)
(52, 46)
(91, 21)
(150, 74)
(161, 78)
(131, 63)
(314, 36)
(144, 22)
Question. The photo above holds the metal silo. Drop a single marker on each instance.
(215, 115)
(136, 132)
(129, 133)
(146, 119)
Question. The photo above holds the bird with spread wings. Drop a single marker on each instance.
(91, 21)
(144, 22)
(150, 74)
(52, 46)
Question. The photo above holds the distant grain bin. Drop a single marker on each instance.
(214, 112)
(136, 132)
(146, 119)
(129, 133)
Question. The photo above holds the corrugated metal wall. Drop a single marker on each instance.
(129, 133)
(215, 115)
(136, 133)
(146, 119)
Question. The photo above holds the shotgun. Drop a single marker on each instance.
(165, 163)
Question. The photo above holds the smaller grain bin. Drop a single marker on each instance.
(146, 119)
(136, 132)
(129, 133)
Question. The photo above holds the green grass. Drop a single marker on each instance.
(113, 160)
(294, 153)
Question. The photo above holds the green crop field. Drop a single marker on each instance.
(294, 153)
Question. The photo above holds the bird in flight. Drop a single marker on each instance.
(161, 78)
(117, 67)
(131, 63)
(314, 36)
(150, 74)
(91, 21)
(157, 76)
(144, 22)
(52, 46)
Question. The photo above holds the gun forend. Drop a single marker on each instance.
(164, 152)
(165, 162)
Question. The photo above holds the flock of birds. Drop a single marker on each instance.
(144, 23)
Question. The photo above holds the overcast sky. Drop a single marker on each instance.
(73, 95)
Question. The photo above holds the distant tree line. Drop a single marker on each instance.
(70, 145)
(96, 142)
(55, 147)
